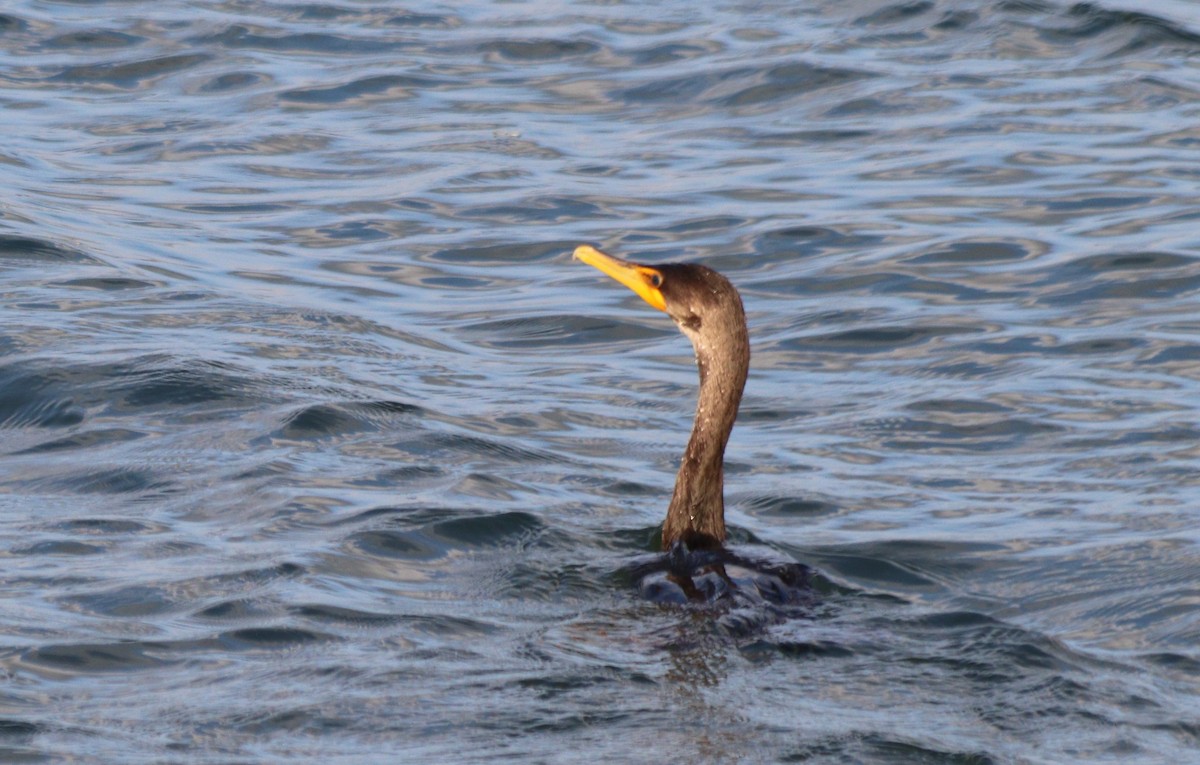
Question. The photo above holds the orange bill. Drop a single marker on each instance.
(643, 280)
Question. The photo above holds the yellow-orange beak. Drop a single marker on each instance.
(643, 280)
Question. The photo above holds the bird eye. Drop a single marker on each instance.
(656, 280)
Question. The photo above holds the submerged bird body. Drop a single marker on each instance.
(708, 310)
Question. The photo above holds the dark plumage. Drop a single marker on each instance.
(708, 309)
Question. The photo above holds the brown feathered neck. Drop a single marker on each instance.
(708, 310)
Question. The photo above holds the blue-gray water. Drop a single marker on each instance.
(315, 446)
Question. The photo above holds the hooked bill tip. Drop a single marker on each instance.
(584, 251)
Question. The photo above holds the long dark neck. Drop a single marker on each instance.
(696, 515)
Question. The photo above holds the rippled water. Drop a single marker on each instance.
(314, 444)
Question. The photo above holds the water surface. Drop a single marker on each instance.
(314, 444)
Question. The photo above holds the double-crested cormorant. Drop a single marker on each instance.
(707, 309)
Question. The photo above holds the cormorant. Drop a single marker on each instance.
(708, 310)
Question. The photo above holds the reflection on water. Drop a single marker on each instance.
(314, 444)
